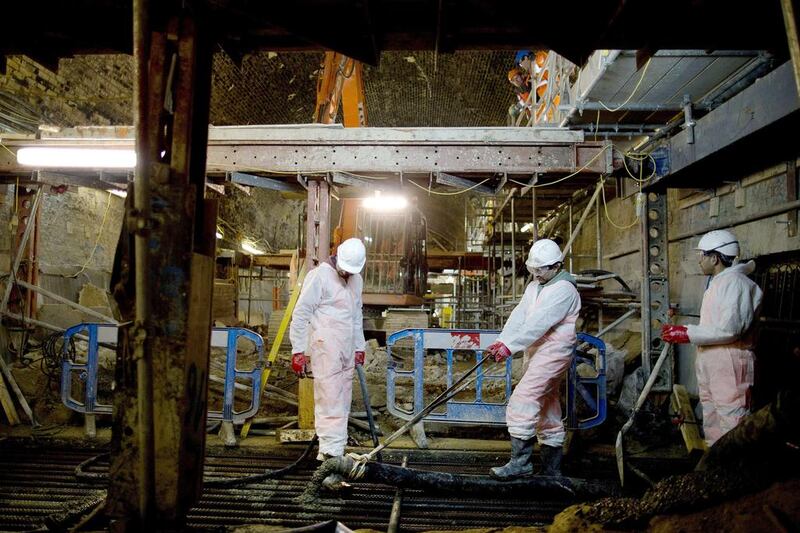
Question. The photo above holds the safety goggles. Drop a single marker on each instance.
(540, 271)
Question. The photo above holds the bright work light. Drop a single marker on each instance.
(56, 157)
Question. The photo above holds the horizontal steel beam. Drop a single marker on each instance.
(353, 181)
(461, 183)
(319, 134)
(306, 150)
(750, 112)
(410, 158)
(620, 106)
(263, 183)
(336, 134)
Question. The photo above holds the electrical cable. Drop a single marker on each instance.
(620, 106)
(97, 240)
(605, 209)
(640, 158)
(430, 191)
(53, 357)
(584, 167)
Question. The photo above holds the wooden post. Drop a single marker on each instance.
(305, 408)
(689, 429)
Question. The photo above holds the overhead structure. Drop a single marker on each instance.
(317, 150)
(361, 30)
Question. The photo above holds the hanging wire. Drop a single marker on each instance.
(628, 99)
(605, 208)
(97, 239)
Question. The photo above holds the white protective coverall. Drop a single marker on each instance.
(331, 307)
(725, 341)
(543, 323)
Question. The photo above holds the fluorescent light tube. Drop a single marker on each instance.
(56, 157)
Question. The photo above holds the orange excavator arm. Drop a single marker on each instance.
(341, 80)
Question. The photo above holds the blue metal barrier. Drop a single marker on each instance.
(96, 333)
(592, 390)
(107, 333)
(227, 338)
(456, 411)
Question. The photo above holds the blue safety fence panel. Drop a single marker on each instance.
(586, 396)
(228, 338)
(476, 411)
(87, 372)
(587, 405)
(97, 334)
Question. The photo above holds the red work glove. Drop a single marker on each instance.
(499, 351)
(360, 358)
(674, 334)
(299, 364)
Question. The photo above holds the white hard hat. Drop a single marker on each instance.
(351, 256)
(544, 252)
(719, 240)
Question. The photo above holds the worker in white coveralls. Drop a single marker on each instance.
(724, 337)
(542, 325)
(327, 325)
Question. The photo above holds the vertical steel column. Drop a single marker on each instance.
(599, 235)
(24, 246)
(599, 251)
(318, 225)
(502, 265)
(655, 286)
(568, 250)
(534, 220)
(513, 253)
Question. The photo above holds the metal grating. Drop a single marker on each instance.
(38, 480)
(448, 90)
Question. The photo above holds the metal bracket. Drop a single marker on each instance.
(502, 184)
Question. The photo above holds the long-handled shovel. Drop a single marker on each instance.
(642, 397)
(457, 387)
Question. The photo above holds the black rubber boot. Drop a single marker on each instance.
(551, 460)
(520, 463)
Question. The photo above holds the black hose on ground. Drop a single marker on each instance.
(102, 477)
(233, 482)
(398, 476)
(91, 477)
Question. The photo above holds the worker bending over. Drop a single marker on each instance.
(543, 325)
(724, 337)
(327, 325)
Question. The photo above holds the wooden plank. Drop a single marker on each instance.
(296, 435)
(8, 404)
(305, 407)
(392, 300)
(276, 261)
(689, 430)
(17, 392)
